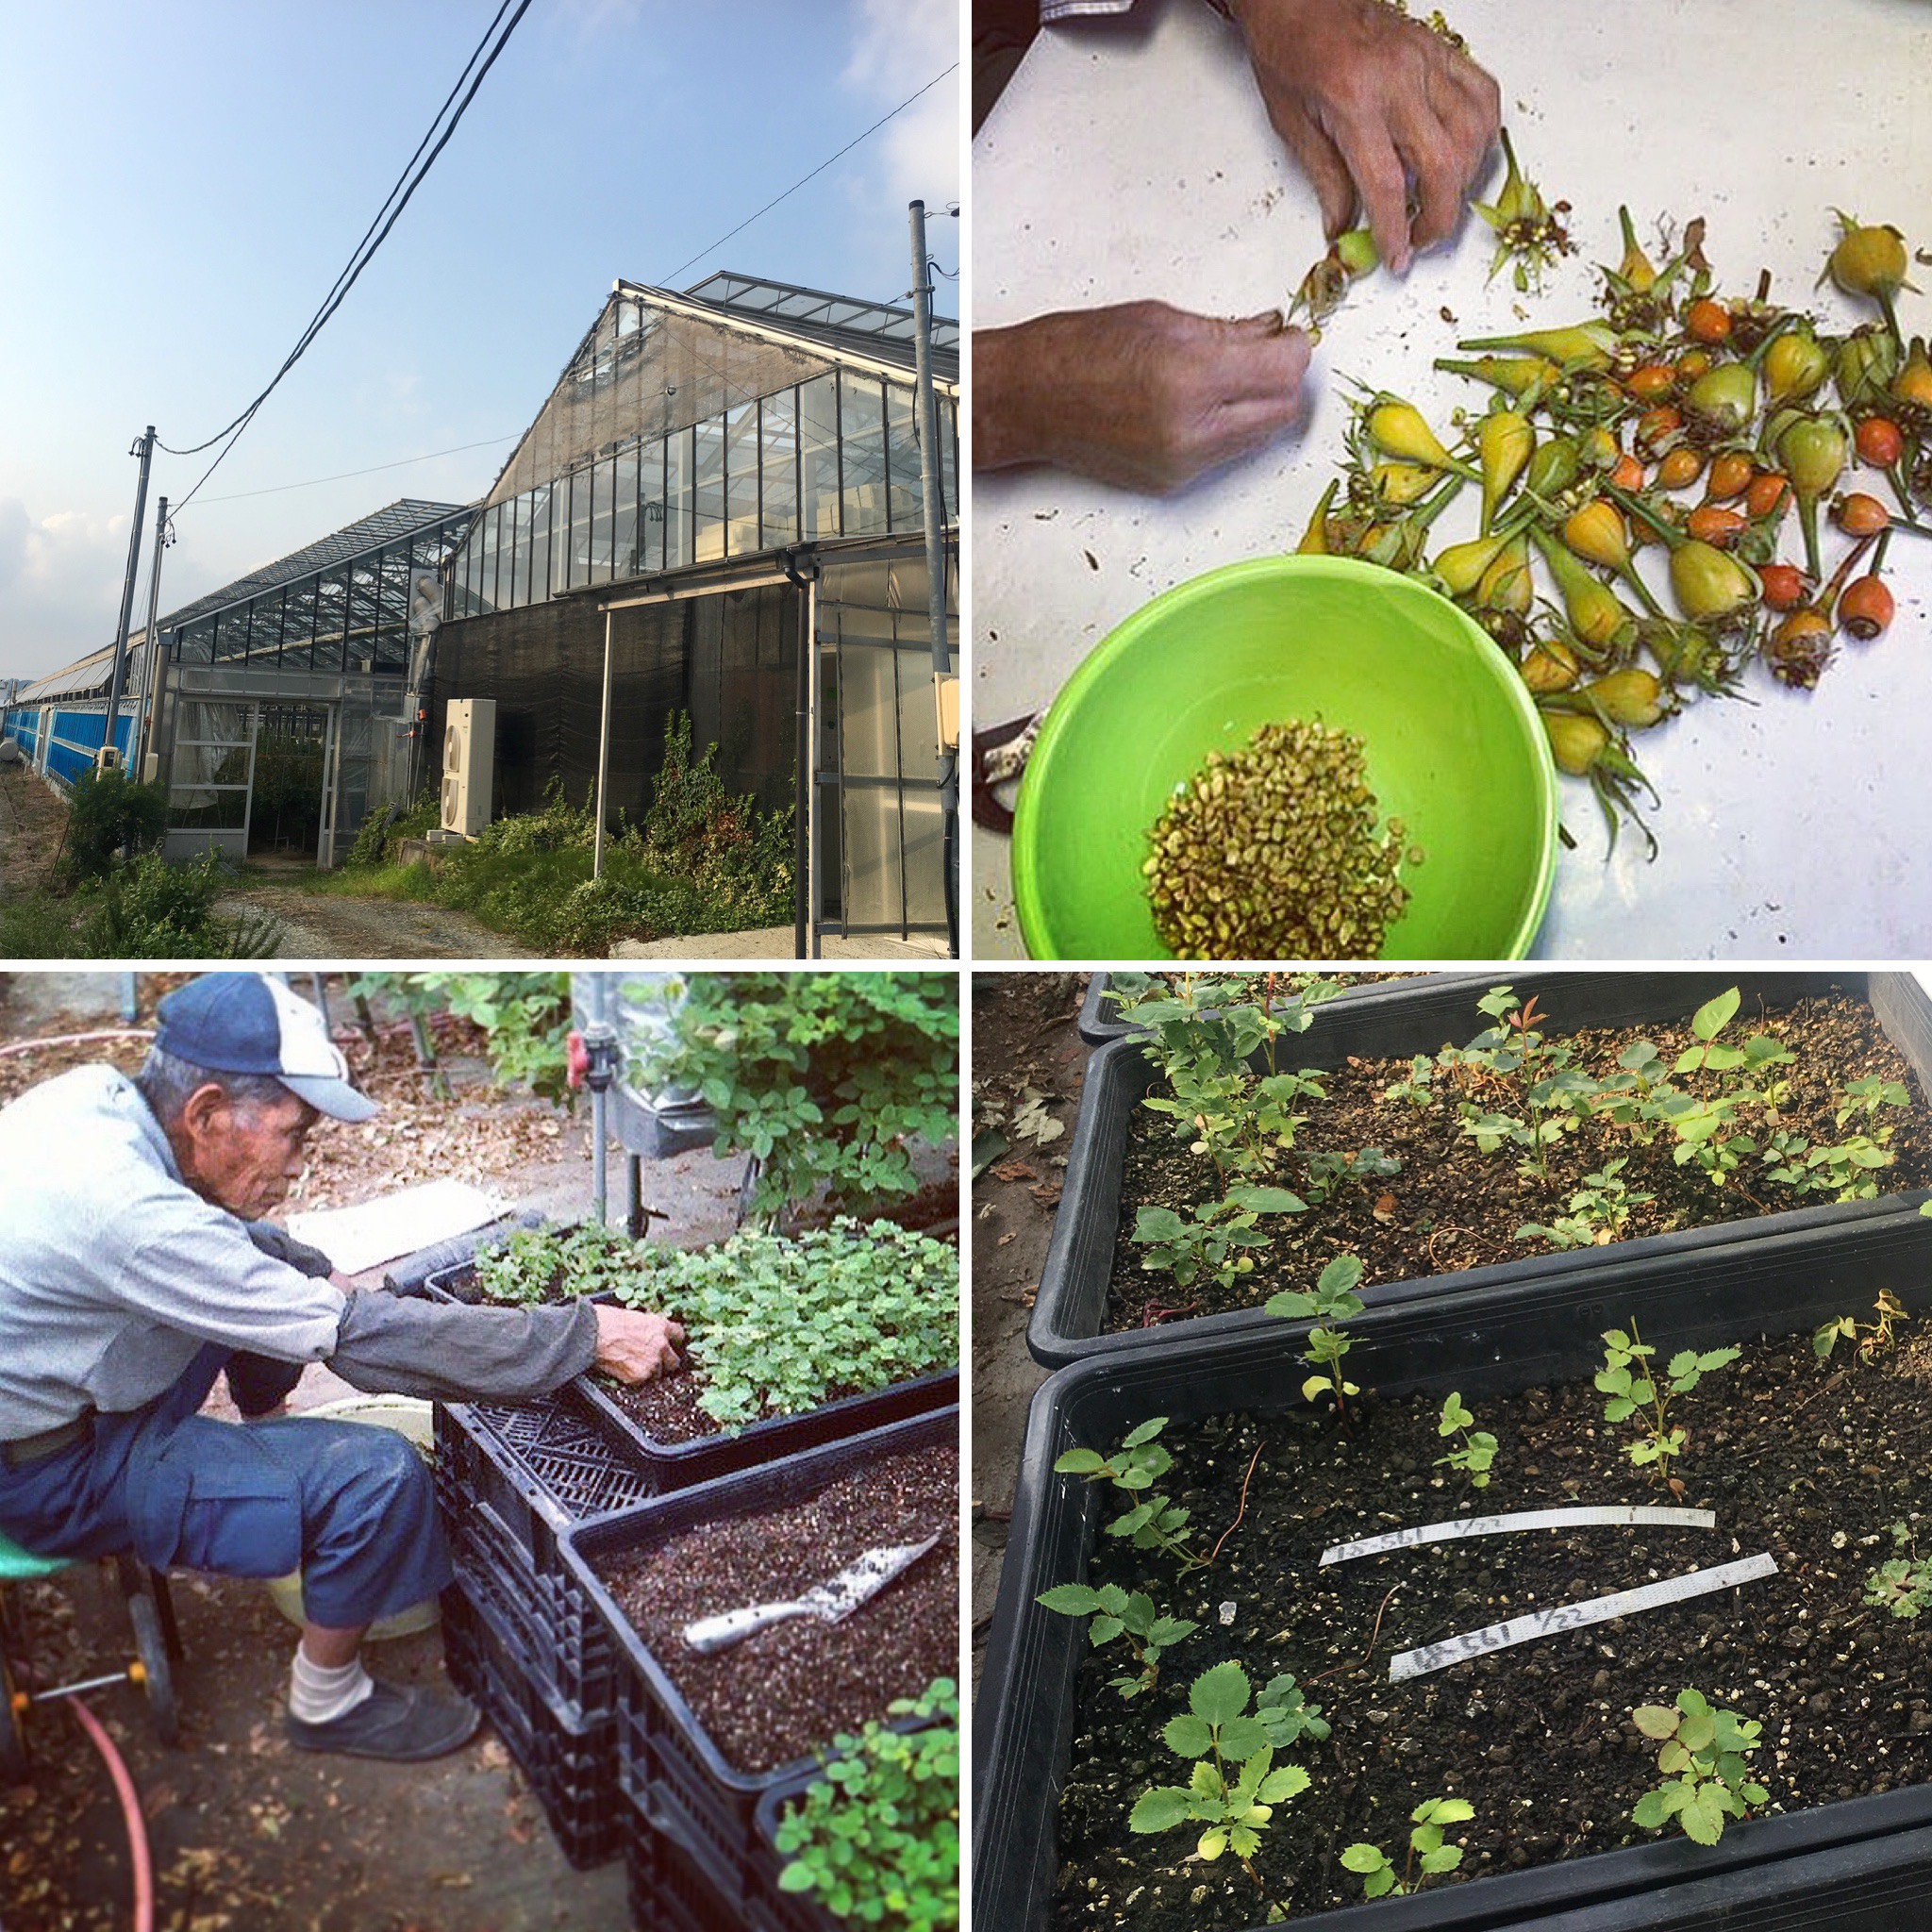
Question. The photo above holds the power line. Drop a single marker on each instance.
(342, 475)
(804, 178)
(397, 200)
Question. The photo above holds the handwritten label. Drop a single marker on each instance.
(1523, 1519)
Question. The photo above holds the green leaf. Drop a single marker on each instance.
(1364, 1858)
(1291, 1304)
(1268, 1201)
(1160, 1808)
(1340, 1275)
(1650, 1813)
(1672, 1758)
(1698, 1732)
(1213, 1842)
(1070, 1600)
(1102, 1629)
(1144, 1433)
(1315, 1388)
(1443, 1858)
(1221, 1693)
(1702, 1817)
(1713, 1016)
(1242, 1737)
(1080, 1462)
(1187, 1736)
(1280, 1786)
(1654, 1720)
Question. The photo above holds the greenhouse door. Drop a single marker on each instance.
(286, 811)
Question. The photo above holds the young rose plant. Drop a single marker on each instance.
(1706, 1779)
(1429, 1856)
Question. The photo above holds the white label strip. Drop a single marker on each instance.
(1598, 1609)
(1523, 1519)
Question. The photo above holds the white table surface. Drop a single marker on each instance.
(1134, 160)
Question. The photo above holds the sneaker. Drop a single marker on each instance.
(403, 1726)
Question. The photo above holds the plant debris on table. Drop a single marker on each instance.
(1549, 1748)
(1238, 1184)
(788, 1691)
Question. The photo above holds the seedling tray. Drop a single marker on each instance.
(667, 1765)
(773, 1910)
(1843, 1864)
(1388, 1022)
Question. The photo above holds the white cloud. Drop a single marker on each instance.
(899, 45)
(59, 585)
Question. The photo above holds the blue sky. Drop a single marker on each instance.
(180, 186)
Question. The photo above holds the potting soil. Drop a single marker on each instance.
(1451, 1206)
(787, 1691)
(1809, 1461)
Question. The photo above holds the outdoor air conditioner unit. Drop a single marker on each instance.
(469, 765)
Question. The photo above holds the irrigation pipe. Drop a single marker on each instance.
(130, 1812)
(78, 1039)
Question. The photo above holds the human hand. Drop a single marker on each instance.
(1367, 98)
(1144, 395)
(634, 1346)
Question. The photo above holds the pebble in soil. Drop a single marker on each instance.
(788, 1691)
(1453, 1206)
(1809, 1461)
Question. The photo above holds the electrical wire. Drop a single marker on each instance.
(804, 178)
(340, 475)
(397, 200)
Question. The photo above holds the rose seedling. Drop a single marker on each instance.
(1599, 1212)
(1117, 1612)
(1702, 1763)
(1632, 1387)
(1903, 1584)
(1234, 1789)
(1287, 1715)
(1153, 1523)
(1212, 1239)
(1477, 1450)
(1333, 1299)
(1429, 1856)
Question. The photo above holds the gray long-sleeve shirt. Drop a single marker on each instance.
(114, 1273)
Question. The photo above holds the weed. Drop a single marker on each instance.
(1428, 1855)
(1234, 1788)
(1901, 1585)
(1702, 1762)
(1867, 1338)
(1152, 1522)
(1478, 1450)
(1117, 1612)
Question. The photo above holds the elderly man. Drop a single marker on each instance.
(1380, 114)
(136, 1270)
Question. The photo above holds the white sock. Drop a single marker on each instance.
(316, 1694)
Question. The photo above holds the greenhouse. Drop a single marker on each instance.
(717, 475)
(275, 709)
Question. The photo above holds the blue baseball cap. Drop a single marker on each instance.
(247, 1022)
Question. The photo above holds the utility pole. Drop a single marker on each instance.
(145, 449)
(933, 515)
(150, 661)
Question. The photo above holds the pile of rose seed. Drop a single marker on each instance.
(1274, 853)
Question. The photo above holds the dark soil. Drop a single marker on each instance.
(1810, 1461)
(788, 1691)
(1453, 1206)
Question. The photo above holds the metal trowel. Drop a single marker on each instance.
(831, 1602)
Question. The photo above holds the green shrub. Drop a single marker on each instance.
(825, 1076)
(877, 1838)
(525, 1017)
(137, 908)
(107, 811)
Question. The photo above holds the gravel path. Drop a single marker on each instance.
(323, 927)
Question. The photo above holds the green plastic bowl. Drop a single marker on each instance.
(1455, 750)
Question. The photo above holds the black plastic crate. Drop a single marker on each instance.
(571, 1768)
(668, 1891)
(1396, 1021)
(1838, 1865)
(540, 1465)
(555, 1638)
(668, 1766)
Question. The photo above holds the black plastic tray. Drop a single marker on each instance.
(1487, 1340)
(1398, 1021)
(668, 1766)
(1100, 1022)
(773, 1910)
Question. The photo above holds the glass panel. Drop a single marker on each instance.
(208, 779)
(195, 643)
(331, 618)
(869, 712)
(677, 546)
(265, 630)
(520, 553)
(364, 612)
(581, 529)
(919, 734)
(923, 828)
(708, 492)
(870, 829)
(862, 453)
(485, 588)
(949, 450)
(540, 542)
(602, 484)
(559, 534)
(231, 636)
(817, 447)
(392, 633)
(903, 499)
(778, 440)
(741, 479)
(623, 520)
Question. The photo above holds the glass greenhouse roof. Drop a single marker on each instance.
(839, 321)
